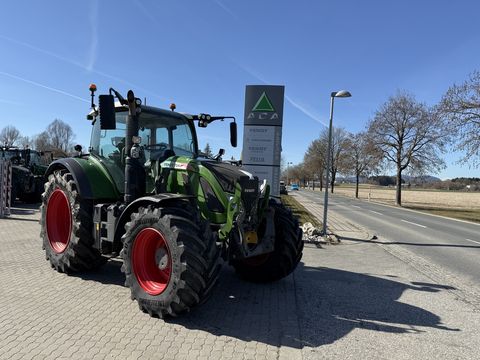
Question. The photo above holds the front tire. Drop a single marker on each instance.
(170, 259)
(286, 256)
(66, 226)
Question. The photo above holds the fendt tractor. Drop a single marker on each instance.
(143, 192)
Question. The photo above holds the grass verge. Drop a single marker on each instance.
(299, 211)
(462, 214)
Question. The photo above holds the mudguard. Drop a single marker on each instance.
(135, 205)
(93, 181)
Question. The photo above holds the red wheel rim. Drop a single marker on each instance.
(151, 261)
(59, 221)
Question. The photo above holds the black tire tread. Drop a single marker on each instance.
(200, 257)
(286, 256)
(80, 254)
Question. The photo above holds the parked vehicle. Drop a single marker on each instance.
(144, 193)
(28, 169)
(294, 187)
(283, 188)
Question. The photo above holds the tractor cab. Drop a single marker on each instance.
(159, 130)
(161, 135)
(159, 139)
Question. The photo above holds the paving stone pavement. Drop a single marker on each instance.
(311, 314)
(48, 315)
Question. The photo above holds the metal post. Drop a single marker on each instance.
(325, 202)
(3, 184)
(5, 187)
(288, 171)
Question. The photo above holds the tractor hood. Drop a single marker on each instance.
(226, 174)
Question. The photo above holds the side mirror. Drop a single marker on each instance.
(78, 148)
(233, 134)
(218, 157)
(106, 109)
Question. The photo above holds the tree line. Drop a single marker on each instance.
(404, 135)
(58, 136)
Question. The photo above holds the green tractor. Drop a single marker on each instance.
(28, 169)
(144, 193)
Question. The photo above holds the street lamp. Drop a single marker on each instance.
(333, 95)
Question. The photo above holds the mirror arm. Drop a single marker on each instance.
(118, 95)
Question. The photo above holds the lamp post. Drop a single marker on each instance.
(333, 95)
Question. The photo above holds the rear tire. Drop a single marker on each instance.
(66, 226)
(286, 256)
(170, 259)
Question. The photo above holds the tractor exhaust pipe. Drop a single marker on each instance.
(134, 169)
(132, 122)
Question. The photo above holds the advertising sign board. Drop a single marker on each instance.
(262, 135)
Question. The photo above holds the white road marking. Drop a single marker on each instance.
(409, 222)
(376, 212)
(476, 242)
(356, 206)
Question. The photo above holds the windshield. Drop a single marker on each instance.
(21, 156)
(157, 134)
(162, 135)
(8, 154)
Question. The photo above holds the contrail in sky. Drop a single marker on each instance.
(94, 40)
(42, 86)
(80, 65)
(145, 12)
(225, 8)
(46, 52)
(304, 110)
(292, 102)
(10, 102)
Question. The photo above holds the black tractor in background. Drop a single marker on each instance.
(28, 170)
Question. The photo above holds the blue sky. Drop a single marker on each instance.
(201, 54)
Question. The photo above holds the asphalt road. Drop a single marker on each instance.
(454, 245)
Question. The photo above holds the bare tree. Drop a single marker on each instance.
(25, 142)
(9, 135)
(338, 153)
(296, 173)
(208, 151)
(42, 141)
(409, 135)
(461, 107)
(314, 160)
(364, 157)
(60, 135)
